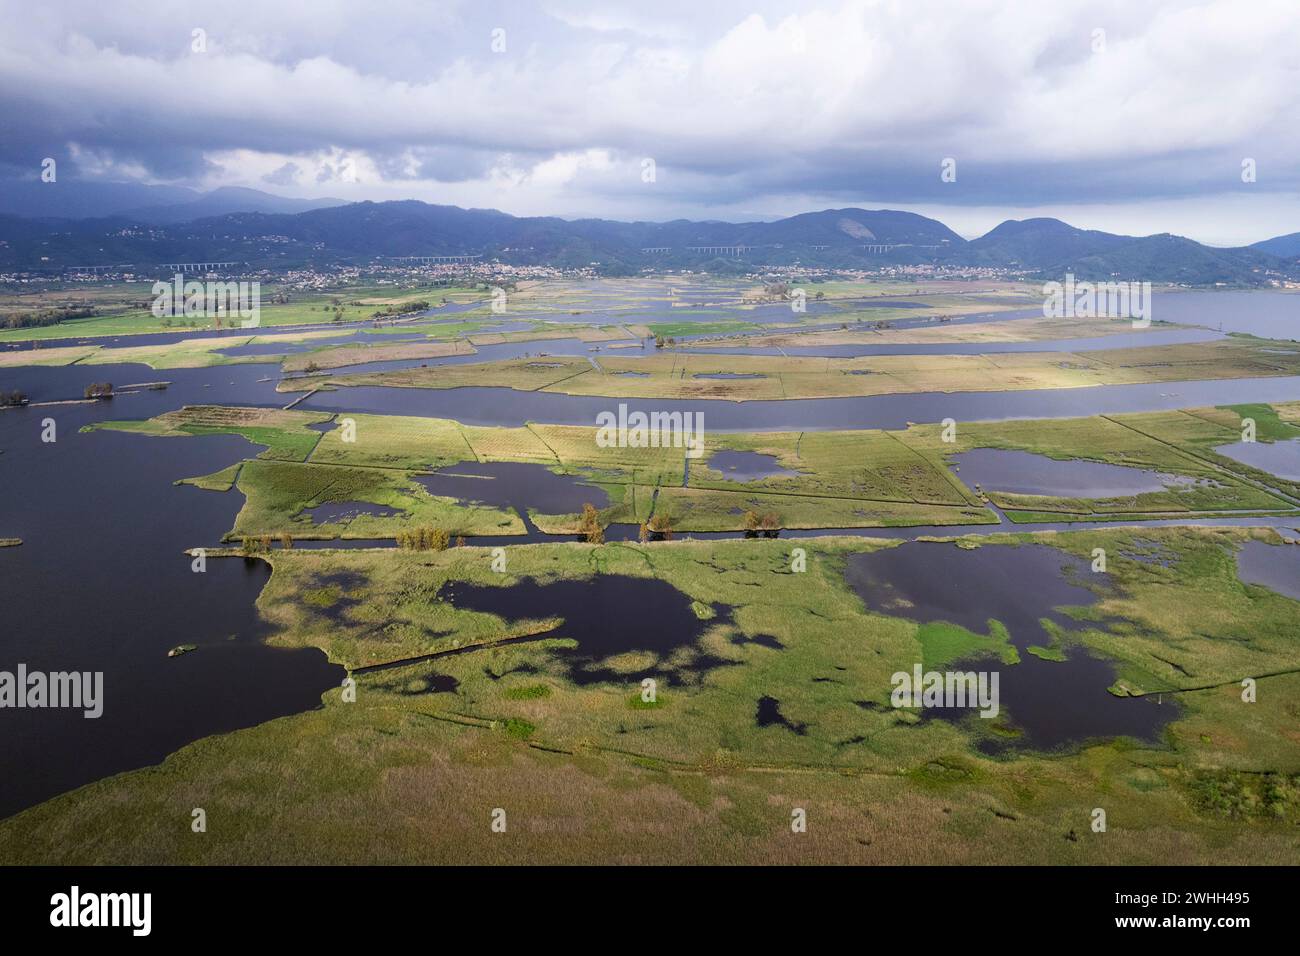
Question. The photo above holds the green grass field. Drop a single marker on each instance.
(125, 308)
(1175, 442)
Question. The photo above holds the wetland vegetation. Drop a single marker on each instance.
(505, 685)
(501, 593)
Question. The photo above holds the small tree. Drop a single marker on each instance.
(286, 541)
(661, 523)
(589, 525)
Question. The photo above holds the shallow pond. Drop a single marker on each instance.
(1276, 567)
(1054, 704)
(768, 714)
(515, 485)
(1281, 458)
(1025, 473)
(347, 510)
(607, 615)
(747, 465)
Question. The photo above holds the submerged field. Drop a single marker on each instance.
(777, 697)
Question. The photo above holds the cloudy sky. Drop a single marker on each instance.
(1133, 116)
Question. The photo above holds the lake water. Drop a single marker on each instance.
(1269, 315)
(101, 583)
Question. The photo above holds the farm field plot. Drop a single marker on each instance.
(839, 479)
(1177, 444)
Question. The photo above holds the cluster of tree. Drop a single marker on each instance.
(43, 317)
(589, 525)
(660, 341)
(255, 544)
(99, 390)
(400, 308)
(768, 524)
(13, 398)
(661, 524)
(425, 539)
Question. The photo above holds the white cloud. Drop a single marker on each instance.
(839, 99)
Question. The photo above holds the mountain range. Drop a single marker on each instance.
(266, 231)
(138, 202)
